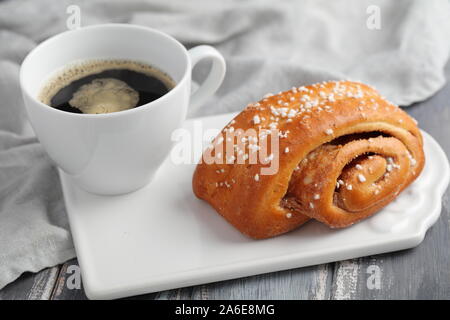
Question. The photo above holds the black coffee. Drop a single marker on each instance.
(105, 86)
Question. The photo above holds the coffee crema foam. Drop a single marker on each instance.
(103, 95)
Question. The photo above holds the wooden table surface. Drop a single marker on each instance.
(419, 273)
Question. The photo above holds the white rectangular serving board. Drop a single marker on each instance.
(163, 237)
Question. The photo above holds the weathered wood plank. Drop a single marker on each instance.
(31, 286)
(305, 283)
(69, 285)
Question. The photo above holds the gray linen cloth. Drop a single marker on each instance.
(268, 45)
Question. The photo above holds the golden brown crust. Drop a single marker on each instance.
(329, 133)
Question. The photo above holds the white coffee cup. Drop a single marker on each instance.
(119, 152)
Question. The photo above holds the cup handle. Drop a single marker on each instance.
(215, 76)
